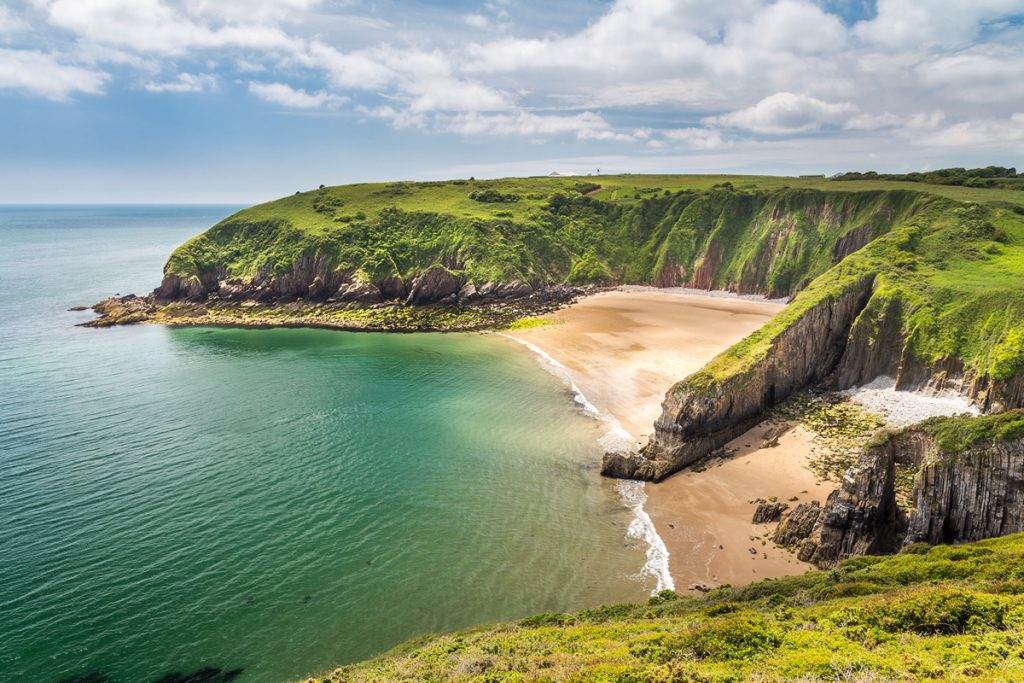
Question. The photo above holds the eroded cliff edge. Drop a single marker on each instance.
(463, 254)
(947, 480)
(935, 302)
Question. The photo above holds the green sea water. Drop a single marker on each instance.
(274, 501)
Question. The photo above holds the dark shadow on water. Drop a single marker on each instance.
(90, 677)
(208, 674)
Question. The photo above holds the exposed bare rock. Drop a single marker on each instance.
(852, 241)
(955, 497)
(393, 288)
(468, 292)
(124, 310)
(697, 420)
(767, 511)
(190, 288)
(797, 525)
(432, 286)
(362, 292)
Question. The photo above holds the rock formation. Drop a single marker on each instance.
(962, 491)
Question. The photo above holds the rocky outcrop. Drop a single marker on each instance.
(768, 511)
(798, 524)
(124, 310)
(852, 241)
(697, 419)
(434, 285)
(973, 493)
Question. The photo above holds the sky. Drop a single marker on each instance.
(248, 100)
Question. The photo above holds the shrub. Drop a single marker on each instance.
(739, 636)
(493, 197)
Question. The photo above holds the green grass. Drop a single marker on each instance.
(955, 271)
(948, 612)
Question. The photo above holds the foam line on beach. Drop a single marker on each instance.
(632, 493)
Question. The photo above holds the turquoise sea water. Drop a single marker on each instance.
(275, 501)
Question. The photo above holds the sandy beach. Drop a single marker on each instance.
(624, 349)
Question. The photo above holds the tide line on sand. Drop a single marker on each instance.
(632, 493)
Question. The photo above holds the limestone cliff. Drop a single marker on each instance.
(949, 480)
(699, 418)
(909, 305)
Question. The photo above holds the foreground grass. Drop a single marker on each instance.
(944, 613)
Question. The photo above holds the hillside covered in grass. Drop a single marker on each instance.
(749, 234)
(940, 613)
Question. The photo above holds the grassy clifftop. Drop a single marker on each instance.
(954, 272)
(944, 613)
(759, 234)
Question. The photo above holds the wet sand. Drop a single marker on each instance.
(624, 349)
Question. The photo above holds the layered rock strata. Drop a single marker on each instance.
(954, 496)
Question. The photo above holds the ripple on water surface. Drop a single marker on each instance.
(276, 501)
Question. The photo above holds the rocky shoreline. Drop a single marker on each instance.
(498, 307)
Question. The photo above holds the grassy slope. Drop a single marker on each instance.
(951, 256)
(629, 230)
(948, 612)
(956, 268)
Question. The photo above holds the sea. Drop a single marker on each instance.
(265, 505)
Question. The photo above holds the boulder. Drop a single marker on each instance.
(432, 286)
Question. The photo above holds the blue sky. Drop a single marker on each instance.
(247, 100)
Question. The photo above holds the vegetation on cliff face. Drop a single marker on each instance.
(941, 613)
(954, 273)
(751, 236)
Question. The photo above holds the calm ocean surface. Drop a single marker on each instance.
(276, 501)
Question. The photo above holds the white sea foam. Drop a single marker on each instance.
(902, 408)
(558, 370)
(632, 493)
(642, 529)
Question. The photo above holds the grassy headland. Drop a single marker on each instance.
(940, 613)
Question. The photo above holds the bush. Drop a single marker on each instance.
(740, 636)
(493, 197)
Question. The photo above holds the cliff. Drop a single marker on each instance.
(944, 613)
(948, 480)
(462, 244)
(934, 302)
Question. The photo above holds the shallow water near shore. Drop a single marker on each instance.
(275, 501)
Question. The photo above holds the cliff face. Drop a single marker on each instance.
(697, 420)
(959, 493)
(910, 304)
(770, 243)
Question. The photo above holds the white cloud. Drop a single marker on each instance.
(295, 98)
(743, 69)
(912, 24)
(45, 75)
(10, 22)
(696, 138)
(584, 126)
(151, 26)
(453, 95)
(873, 121)
(976, 76)
(791, 26)
(398, 118)
(984, 133)
(786, 112)
(184, 83)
